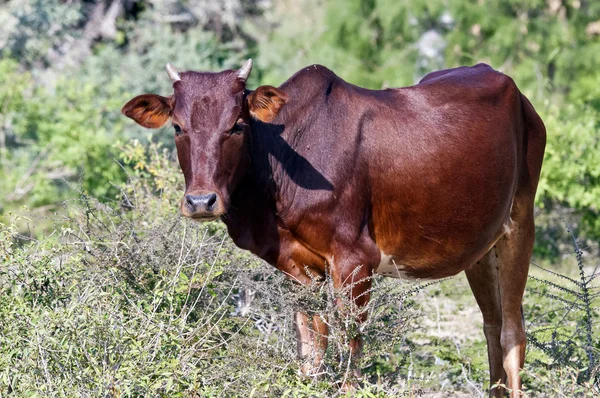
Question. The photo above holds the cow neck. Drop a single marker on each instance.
(276, 168)
(266, 181)
(270, 155)
(252, 219)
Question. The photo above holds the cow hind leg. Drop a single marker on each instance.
(513, 252)
(483, 279)
(498, 282)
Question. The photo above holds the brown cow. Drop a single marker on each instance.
(320, 175)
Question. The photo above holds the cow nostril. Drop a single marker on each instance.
(190, 201)
(212, 199)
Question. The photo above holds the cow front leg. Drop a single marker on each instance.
(311, 338)
(354, 284)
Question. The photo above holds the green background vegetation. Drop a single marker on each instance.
(67, 67)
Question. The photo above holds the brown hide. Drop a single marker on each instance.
(425, 174)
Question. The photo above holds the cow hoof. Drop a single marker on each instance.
(308, 369)
(349, 388)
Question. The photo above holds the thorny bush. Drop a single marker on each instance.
(129, 299)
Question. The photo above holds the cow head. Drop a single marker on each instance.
(210, 113)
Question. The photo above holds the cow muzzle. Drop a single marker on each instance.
(202, 206)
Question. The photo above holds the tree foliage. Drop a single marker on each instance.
(68, 67)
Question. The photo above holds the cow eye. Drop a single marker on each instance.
(238, 126)
(177, 129)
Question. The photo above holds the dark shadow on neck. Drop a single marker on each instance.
(267, 140)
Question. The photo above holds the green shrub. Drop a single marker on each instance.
(571, 171)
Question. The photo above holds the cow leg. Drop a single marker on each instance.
(483, 279)
(355, 282)
(311, 339)
(513, 252)
(311, 331)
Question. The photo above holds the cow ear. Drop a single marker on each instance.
(265, 103)
(149, 110)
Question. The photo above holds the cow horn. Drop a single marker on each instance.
(245, 70)
(173, 74)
